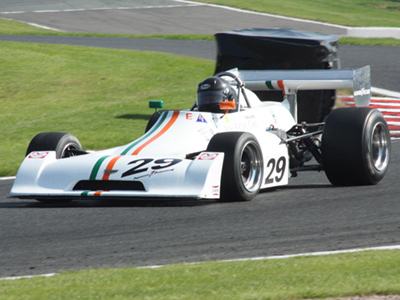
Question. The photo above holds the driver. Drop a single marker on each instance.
(211, 92)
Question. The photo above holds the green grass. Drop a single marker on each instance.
(99, 95)
(15, 27)
(363, 273)
(358, 13)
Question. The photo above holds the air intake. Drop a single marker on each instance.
(109, 185)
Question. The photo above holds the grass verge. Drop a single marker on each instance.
(99, 95)
(363, 273)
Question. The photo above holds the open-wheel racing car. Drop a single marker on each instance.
(228, 146)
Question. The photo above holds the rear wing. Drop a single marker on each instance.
(291, 81)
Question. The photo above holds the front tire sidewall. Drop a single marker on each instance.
(239, 183)
(54, 141)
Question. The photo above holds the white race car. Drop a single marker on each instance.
(228, 146)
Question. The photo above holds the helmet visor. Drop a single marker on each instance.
(209, 97)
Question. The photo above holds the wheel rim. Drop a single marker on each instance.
(251, 167)
(380, 147)
(68, 150)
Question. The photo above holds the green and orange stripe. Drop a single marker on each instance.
(112, 162)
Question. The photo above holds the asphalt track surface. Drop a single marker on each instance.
(308, 215)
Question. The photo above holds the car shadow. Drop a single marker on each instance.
(307, 186)
(134, 117)
(106, 203)
(101, 203)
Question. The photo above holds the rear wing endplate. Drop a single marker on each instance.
(291, 81)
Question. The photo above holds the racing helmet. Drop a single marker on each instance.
(211, 92)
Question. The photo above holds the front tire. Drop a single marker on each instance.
(242, 170)
(61, 143)
(355, 146)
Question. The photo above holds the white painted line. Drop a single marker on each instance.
(367, 32)
(96, 9)
(263, 14)
(388, 110)
(387, 105)
(28, 276)
(43, 27)
(7, 178)
(361, 32)
(384, 92)
(321, 253)
(36, 25)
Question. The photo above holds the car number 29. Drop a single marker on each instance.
(275, 170)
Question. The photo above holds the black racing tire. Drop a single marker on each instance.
(54, 141)
(355, 146)
(242, 170)
(60, 143)
(153, 119)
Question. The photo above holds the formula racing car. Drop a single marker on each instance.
(228, 146)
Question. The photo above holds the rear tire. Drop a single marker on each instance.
(242, 171)
(355, 146)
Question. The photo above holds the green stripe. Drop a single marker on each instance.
(269, 85)
(84, 194)
(96, 168)
(154, 128)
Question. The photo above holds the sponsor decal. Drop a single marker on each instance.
(38, 155)
(206, 132)
(215, 119)
(362, 92)
(215, 190)
(205, 86)
(189, 116)
(156, 166)
(153, 173)
(208, 156)
(201, 119)
(110, 171)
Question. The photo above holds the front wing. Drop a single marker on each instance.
(42, 176)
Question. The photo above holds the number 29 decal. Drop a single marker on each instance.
(276, 170)
(142, 165)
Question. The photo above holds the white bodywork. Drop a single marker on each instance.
(159, 164)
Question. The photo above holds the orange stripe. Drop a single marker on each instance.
(280, 84)
(97, 194)
(110, 166)
(169, 124)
